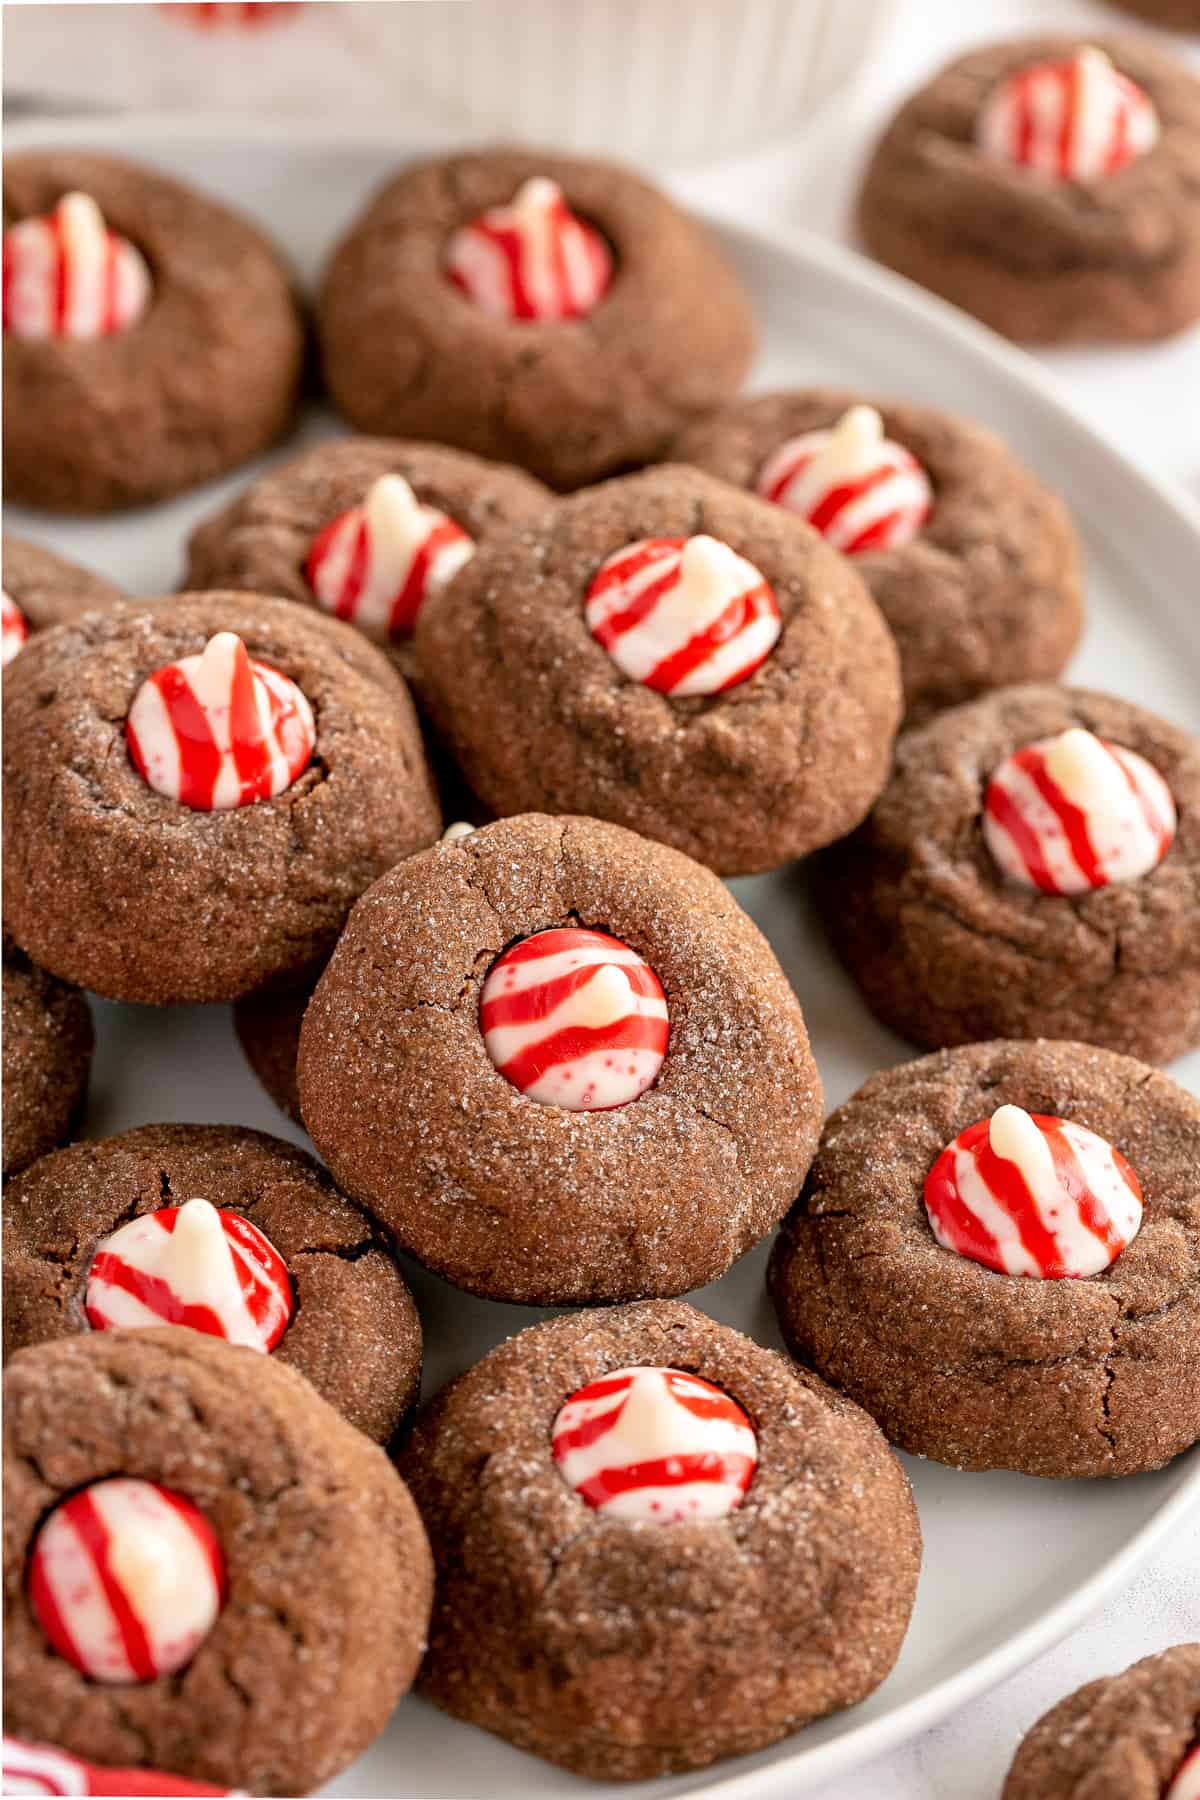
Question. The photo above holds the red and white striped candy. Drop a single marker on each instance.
(1029, 1194)
(1073, 120)
(377, 564)
(68, 276)
(126, 1579)
(191, 1265)
(1186, 1785)
(655, 1444)
(41, 1769)
(860, 490)
(683, 615)
(533, 259)
(216, 731)
(211, 15)
(1071, 813)
(14, 628)
(575, 1019)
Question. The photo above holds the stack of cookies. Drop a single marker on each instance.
(632, 633)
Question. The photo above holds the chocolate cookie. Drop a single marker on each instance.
(653, 1618)
(42, 589)
(563, 333)
(1125, 1737)
(185, 364)
(268, 1029)
(47, 1056)
(198, 880)
(879, 1280)
(1073, 219)
(1178, 15)
(979, 580)
(325, 1279)
(270, 1569)
(675, 656)
(535, 1111)
(375, 567)
(1084, 924)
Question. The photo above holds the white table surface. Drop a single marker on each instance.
(1149, 399)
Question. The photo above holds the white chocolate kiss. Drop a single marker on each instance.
(196, 1261)
(882, 490)
(65, 260)
(1128, 808)
(1088, 97)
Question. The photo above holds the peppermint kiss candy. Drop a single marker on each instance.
(377, 564)
(41, 1769)
(191, 1265)
(1071, 813)
(683, 615)
(1072, 120)
(859, 489)
(655, 1444)
(1186, 1785)
(14, 628)
(575, 1019)
(126, 1579)
(68, 276)
(531, 260)
(216, 730)
(1027, 1194)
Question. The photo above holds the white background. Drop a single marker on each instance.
(1147, 398)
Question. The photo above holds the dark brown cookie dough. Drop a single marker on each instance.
(47, 1056)
(126, 891)
(328, 1566)
(540, 717)
(988, 593)
(947, 951)
(204, 380)
(1179, 15)
(1120, 1738)
(354, 1330)
(406, 354)
(1044, 261)
(521, 1201)
(268, 1029)
(623, 1650)
(262, 539)
(1096, 1376)
(48, 589)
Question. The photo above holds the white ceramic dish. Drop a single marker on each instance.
(1011, 1564)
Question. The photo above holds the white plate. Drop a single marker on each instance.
(1011, 1564)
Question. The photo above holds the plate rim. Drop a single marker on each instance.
(790, 1760)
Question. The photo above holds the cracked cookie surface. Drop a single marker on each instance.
(988, 592)
(329, 1577)
(405, 354)
(354, 1331)
(540, 717)
(126, 891)
(946, 951)
(623, 1650)
(981, 1370)
(1114, 259)
(521, 1201)
(205, 380)
(1120, 1738)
